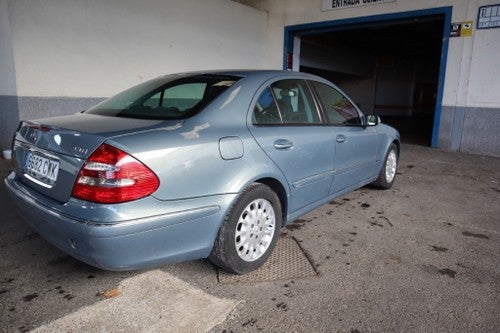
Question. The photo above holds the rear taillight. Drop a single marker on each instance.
(112, 176)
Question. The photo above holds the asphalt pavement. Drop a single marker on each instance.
(423, 256)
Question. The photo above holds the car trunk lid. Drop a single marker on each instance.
(49, 153)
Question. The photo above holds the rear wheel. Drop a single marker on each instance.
(250, 230)
(389, 168)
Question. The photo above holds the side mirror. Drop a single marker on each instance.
(372, 120)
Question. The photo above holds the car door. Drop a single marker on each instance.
(355, 144)
(287, 125)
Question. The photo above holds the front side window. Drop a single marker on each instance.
(339, 110)
(165, 98)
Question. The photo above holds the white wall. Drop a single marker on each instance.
(9, 116)
(473, 70)
(81, 48)
(277, 11)
(484, 80)
(7, 73)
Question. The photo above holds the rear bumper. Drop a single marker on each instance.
(184, 230)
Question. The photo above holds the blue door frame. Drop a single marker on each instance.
(343, 24)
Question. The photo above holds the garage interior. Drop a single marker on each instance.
(390, 68)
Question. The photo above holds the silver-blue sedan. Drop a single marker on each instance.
(195, 165)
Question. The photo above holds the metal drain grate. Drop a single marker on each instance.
(287, 261)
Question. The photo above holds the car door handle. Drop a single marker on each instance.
(283, 144)
(341, 138)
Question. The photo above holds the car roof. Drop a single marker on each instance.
(253, 73)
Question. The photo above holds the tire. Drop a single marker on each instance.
(238, 249)
(389, 168)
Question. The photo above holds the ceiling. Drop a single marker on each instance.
(411, 38)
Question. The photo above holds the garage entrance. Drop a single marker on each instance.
(391, 65)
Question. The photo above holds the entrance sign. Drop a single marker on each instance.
(342, 4)
(488, 17)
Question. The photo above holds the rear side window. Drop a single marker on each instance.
(339, 110)
(286, 102)
(295, 102)
(266, 110)
(166, 98)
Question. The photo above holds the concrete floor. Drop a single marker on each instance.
(423, 256)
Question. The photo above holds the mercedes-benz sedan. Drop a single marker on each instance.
(195, 165)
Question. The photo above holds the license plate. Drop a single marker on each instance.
(41, 168)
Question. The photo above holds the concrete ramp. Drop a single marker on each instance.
(154, 301)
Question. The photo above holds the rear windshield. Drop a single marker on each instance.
(170, 97)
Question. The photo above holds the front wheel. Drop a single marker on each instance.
(250, 230)
(387, 174)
